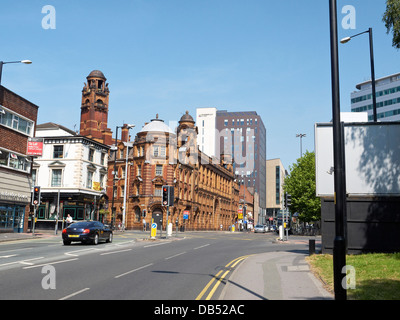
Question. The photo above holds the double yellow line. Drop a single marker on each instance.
(219, 278)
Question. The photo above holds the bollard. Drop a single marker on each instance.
(311, 246)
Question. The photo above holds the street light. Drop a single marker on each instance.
(339, 243)
(371, 50)
(113, 212)
(126, 176)
(21, 61)
(301, 136)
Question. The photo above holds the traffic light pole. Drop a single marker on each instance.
(33, 220)
(166, 227)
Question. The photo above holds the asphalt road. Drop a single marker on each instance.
(130, 268)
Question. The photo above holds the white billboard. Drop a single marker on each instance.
(372, 153)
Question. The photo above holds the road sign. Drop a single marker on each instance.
(153, 230)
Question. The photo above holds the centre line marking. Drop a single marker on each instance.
(137, 269)
(156, 244)
(176, 255)
(22, 262)
(74, 294)
(206, 245)
(112, 252)
(50, 263)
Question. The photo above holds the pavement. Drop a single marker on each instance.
(279, 275)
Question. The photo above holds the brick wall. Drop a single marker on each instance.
(11, 139)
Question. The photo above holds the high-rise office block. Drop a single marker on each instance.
(387, 96)
(242, 135)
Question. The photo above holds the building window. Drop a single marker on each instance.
(58, 152)
(159, 170)
(56, 175)
(14, 161)
(277, 184)
(163, 151)
(91, 155)
(158, 192)
(15, 122)
(34, 176)
(102, 180)
(103, 159)
(89, 180)
(155, 151)
(139, 170)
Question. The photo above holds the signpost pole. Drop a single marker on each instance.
(33, 220)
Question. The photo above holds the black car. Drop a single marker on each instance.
(87, 231)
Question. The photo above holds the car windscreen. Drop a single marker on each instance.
(81, 225)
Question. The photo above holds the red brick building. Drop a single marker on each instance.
(94, 109)
(206, 194)
(17, 124)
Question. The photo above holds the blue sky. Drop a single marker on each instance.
(169, 56)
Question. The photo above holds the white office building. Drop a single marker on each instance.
(72, 174)
(387, 98)
(206, 122)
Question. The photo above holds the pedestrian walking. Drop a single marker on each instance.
(69, 220)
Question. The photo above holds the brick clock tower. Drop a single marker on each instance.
(94, 109)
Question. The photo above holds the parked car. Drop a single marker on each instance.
(259, 228)
(272, 228)
(87, 231)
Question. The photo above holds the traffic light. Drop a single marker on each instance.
(167, 196)
(36, 196)
(288, 200)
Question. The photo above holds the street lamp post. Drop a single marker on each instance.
(126, 176)
(113, 211)
(371, 50)
(339, 244)
(301, 136)
(7, 62)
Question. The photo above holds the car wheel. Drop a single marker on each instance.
(110, 238)
(66, 242)
(96, 239)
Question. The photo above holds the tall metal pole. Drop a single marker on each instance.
(371, 49)
(1, 69)
(301, 136)
(339, 247)
(113, 213)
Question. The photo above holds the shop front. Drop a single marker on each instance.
(15, 197)
(80, 206)
(11, 218)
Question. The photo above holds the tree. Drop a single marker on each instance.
(300, 184)
(391, 18)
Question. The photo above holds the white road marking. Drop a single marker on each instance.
(176, 255)
(21, 262)
(156, 244)
(112, 252)
(74, 294)
(206, 245)
(50, 263)
(137, 269)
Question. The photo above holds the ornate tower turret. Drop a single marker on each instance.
(187, 139)
(94, 109)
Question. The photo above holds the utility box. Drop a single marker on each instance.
(372, 166)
